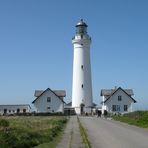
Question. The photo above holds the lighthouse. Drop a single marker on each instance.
(81, 83)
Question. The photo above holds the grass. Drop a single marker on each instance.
(138, 118)
(22, 132)
(84, 135)
(71, 137)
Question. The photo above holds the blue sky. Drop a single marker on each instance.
(36, 50)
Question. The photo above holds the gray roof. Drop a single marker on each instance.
(48, 89)
(109, 92)
(38, 92)
(70, 104)
(59, 93)
(8, 105)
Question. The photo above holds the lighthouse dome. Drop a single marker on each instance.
(81, 23)
(81, 28)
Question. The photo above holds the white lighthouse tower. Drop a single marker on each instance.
(82, 83)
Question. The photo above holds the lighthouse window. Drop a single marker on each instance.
(81, 66)
(82, 85)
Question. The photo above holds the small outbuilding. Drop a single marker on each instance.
(12, 109)
(49, 101)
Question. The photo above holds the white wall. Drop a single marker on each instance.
(126, 100)
(55, 105)
(13, 108)
(81, 76)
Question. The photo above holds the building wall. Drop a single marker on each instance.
(126, 100)
(11, 109)
(56, 105)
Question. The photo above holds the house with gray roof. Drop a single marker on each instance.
(117, 100)
(48, 100)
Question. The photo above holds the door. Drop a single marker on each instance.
(5, 111)
(82, 109)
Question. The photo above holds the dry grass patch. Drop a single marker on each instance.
(29, 131)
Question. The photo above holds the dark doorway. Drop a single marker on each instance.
(24, 110)
(82, 108)
(68, 111)
(5, 111)
(18, 110)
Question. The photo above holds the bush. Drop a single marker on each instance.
(7, 140)
(4, 123)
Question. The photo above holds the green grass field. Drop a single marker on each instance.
(30, 131)
(138, 118)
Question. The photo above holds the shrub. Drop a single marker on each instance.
(7, 140)
(4, 123)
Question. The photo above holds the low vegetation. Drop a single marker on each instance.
(27, 132)
(138, 118)
(84, 135)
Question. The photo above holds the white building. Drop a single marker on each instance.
(117, 100)
(12, 109)
(82, 83)
(49, 100)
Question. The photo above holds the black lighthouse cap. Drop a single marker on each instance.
(81, 23)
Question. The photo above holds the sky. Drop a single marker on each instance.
(36, 51)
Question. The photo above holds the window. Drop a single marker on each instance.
(82, 66)
(119, 98)
(118, 108)
(82, 85)
(48, 99)
(114, 108)
(125, 107)
(48, 107)
(9, 111)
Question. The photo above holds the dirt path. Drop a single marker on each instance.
(71, 137)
